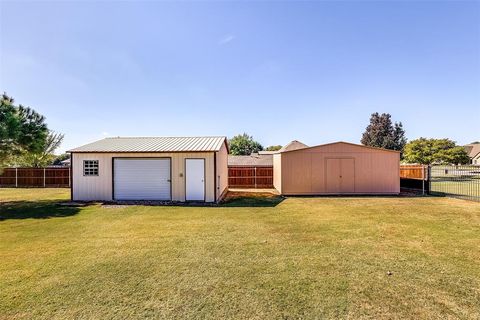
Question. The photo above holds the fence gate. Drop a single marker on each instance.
(250, 177)
(455, 181)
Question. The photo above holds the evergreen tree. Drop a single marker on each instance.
(382, 133)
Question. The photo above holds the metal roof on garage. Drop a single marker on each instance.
(154, 144)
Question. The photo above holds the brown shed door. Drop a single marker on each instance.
(333, 175)
(347, 183)
(340, 175)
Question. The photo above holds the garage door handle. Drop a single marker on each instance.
(169, 180)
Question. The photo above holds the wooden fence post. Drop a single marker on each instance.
(44, 177)
(255, 177)
(16, 177)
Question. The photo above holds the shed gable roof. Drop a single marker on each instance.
(154, 144)
(345, 143)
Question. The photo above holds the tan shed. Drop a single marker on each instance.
(337, 168)
(150, 168)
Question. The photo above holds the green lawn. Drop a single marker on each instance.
(365, 257)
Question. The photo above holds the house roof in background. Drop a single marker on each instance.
(472, 149)
(154, 144)
(253, 160)
(294, 145)
(266, 152)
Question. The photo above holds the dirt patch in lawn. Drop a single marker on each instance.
(254, 199)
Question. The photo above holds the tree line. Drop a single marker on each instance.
(381, 132)
(26, 140)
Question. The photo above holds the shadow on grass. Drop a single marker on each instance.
(35, 210)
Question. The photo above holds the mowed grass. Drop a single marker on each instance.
(310, 258)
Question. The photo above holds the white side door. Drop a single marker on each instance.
(195, 179)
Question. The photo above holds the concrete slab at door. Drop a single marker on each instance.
(195, 179)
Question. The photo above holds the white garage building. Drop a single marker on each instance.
(150, 168)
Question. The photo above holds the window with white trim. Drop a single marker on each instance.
(90, 167)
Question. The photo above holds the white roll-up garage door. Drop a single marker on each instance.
(141, 179)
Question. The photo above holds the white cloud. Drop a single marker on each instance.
(226, 39)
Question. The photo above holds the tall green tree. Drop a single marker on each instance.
(435, 151)
(42, 157)
(382, 133)
(21, 130)
(243, 144)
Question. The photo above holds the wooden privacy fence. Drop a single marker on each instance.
(35, 177)
(250, 177)
(262, 177)
(417, 172)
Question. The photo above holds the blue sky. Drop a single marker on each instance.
(312, 71)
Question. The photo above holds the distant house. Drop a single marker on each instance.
(253, 160)
(255, 170)
(262, 158)
(473, 151)
(266, 152)
(294, 145)
(65, 163)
